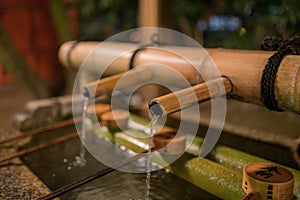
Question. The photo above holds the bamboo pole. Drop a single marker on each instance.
(38, 147)
(107, 85)
(222, 163)
(181, 99)
(208, 175)
(243, 67)
(148, 13)
(223, 155)
(234, 159)
(41, 130)
(95, 56)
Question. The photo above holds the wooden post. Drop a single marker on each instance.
(148, 13)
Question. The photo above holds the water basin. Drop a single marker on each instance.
(54, 168)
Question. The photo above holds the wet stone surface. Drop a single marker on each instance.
(16, 179)
(17, 182)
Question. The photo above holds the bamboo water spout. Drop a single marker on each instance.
(181, 99)
(107, 85)
(244, 68)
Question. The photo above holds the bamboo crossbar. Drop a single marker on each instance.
(244, 68)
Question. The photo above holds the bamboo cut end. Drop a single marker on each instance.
(156, 109)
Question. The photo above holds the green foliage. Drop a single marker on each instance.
(101, 19)
(259, 18)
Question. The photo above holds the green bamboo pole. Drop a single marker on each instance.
(208, 175)
(235, 159)
(220, 173)
(227, 157)
(212, 177)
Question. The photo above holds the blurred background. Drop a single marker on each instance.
(33, 30)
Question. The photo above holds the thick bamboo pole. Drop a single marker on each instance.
(102, 55)
(243, 67)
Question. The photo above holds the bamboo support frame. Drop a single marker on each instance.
(243, 68)
(181, 99)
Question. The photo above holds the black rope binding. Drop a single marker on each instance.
(131, 62)
(155, 40)
(283, 48)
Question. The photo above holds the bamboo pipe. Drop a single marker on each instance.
(243, 67)
(107, 85)
(181, 99)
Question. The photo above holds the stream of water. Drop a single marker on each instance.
(148, 160)
(80, 159)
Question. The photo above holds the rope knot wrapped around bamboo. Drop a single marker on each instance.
(284, 48)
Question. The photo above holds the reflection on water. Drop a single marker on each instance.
(51, 165)
(119, 185)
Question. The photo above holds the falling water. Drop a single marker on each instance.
(148, 164)
(80, 160)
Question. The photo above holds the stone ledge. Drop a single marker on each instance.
(17, 181)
